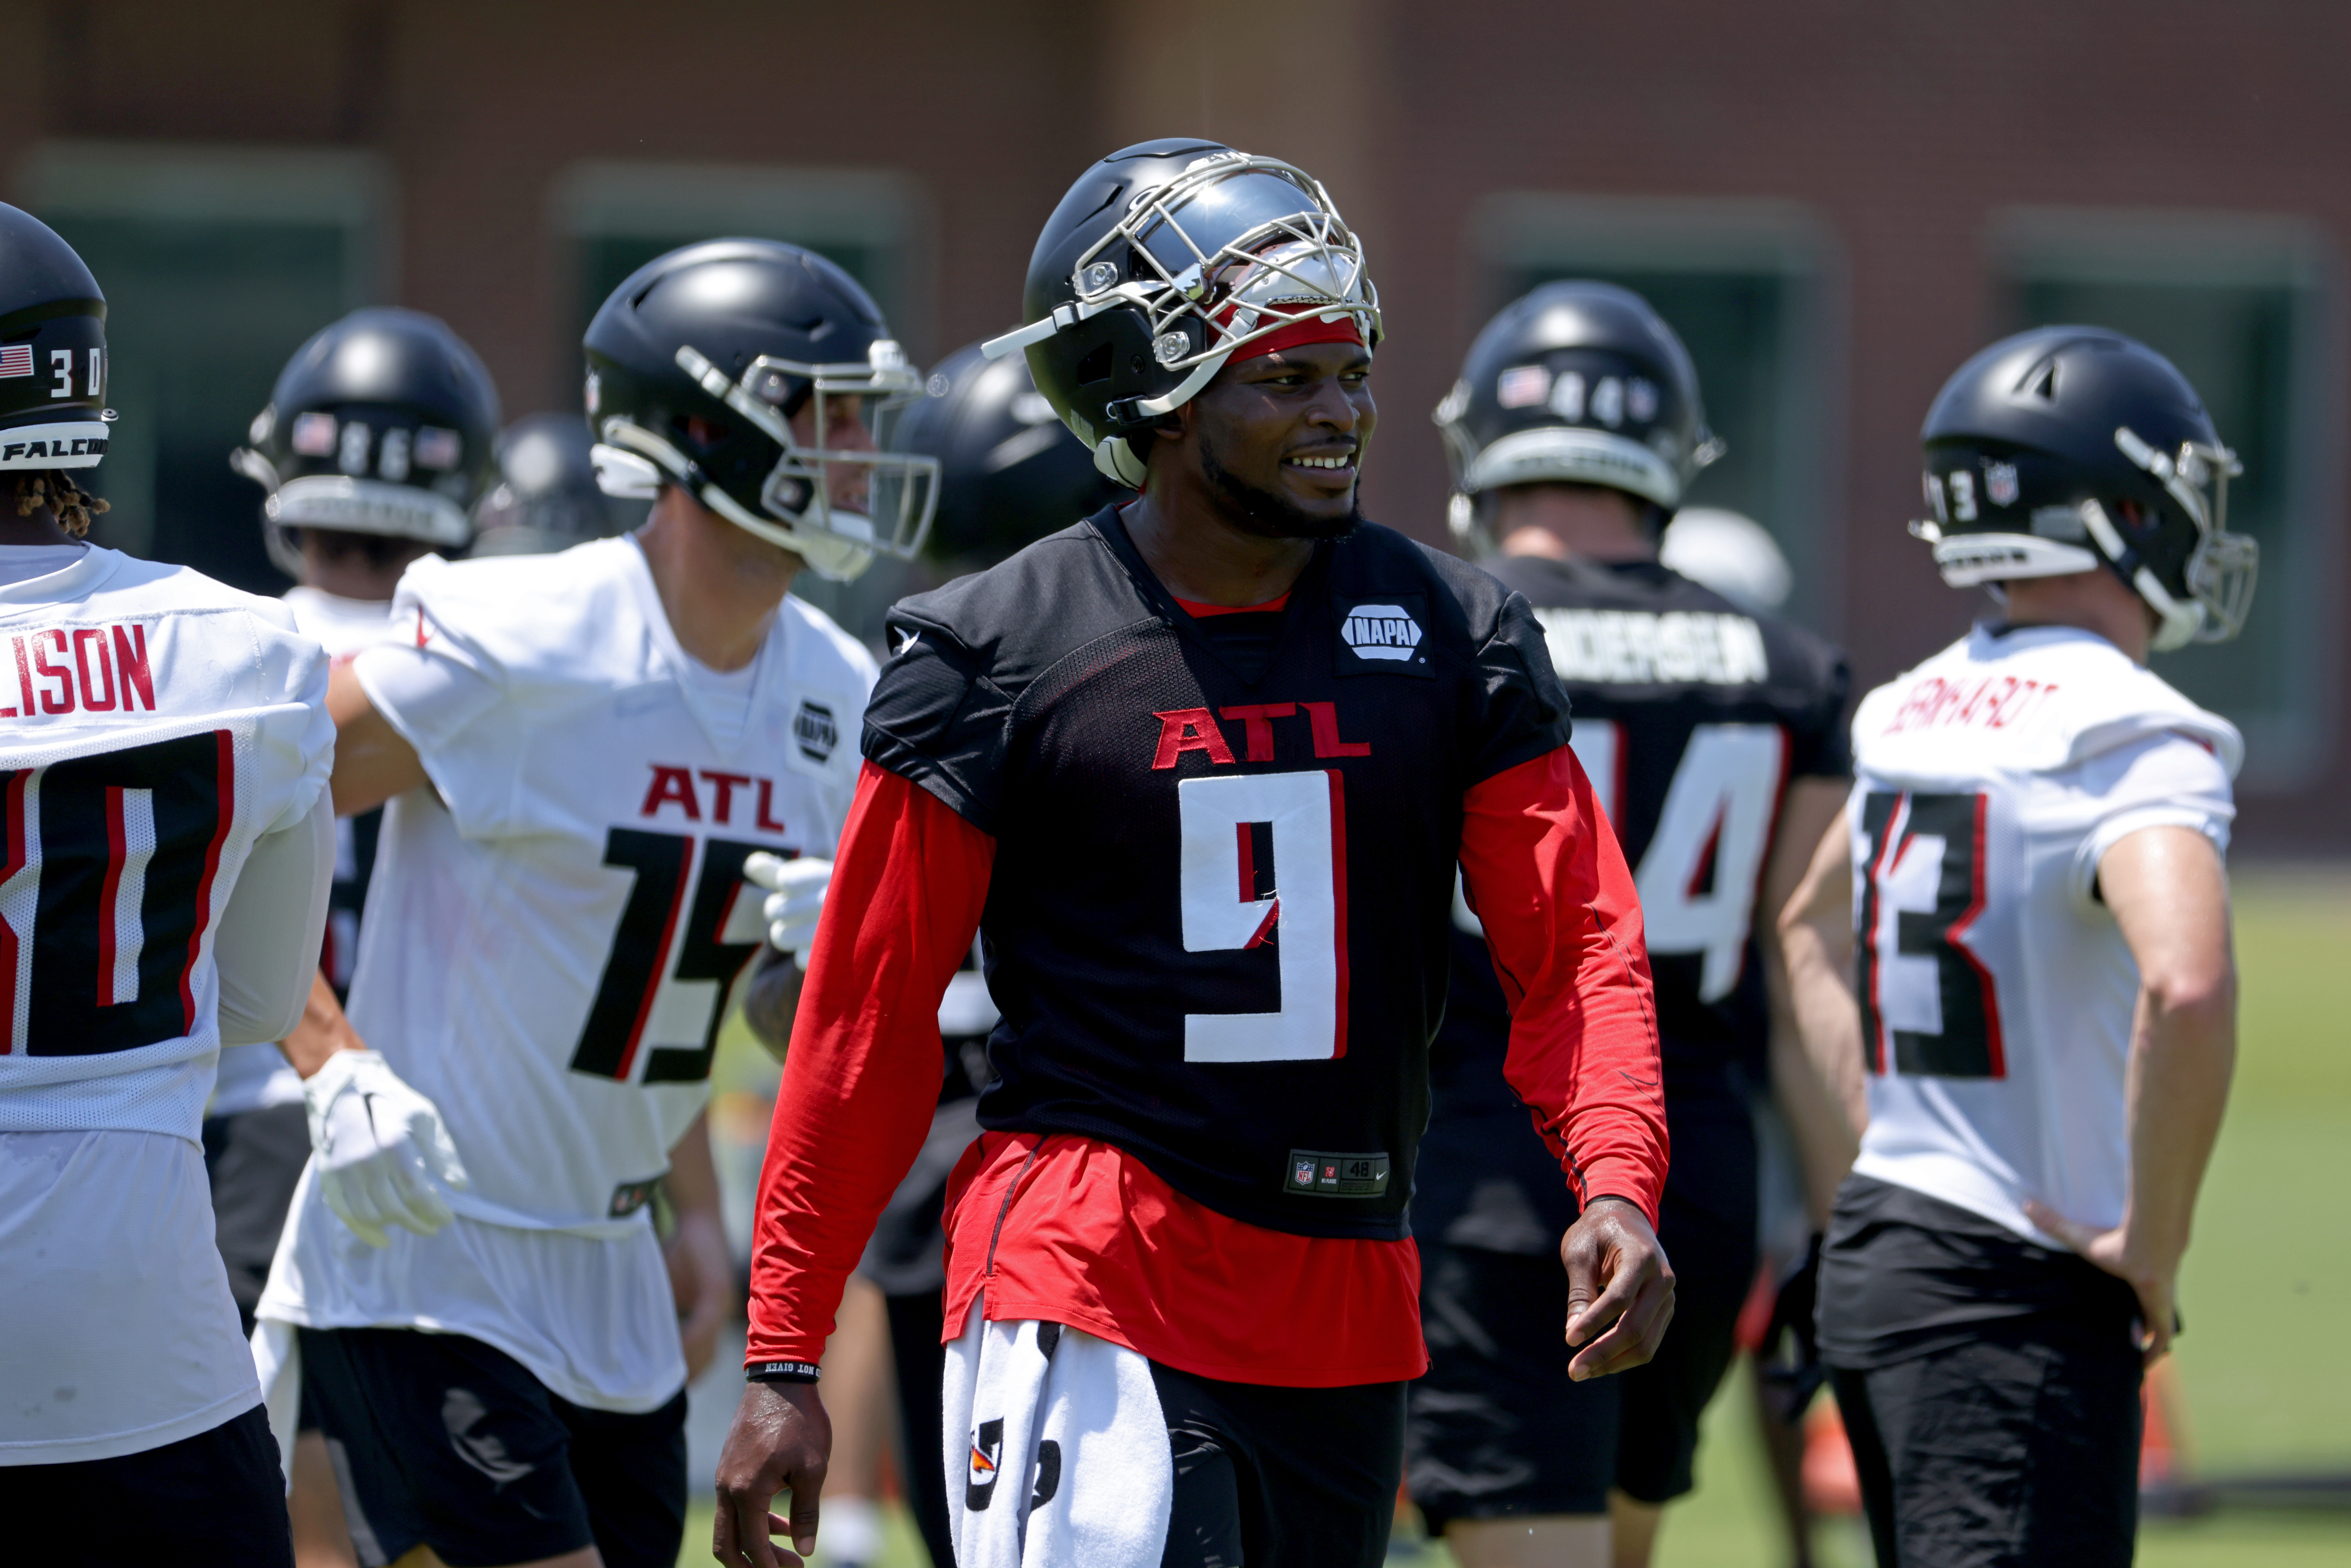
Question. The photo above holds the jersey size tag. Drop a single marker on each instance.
(1382, 635)
(1318, 1173)
(631, 1195)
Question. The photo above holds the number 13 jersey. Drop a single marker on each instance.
(1996, 991)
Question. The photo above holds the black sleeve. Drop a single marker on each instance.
(1823, 745)
(1522, 710)
(936, 719)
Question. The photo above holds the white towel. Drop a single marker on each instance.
(1057, 1453)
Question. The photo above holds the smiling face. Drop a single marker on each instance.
(1280, 439)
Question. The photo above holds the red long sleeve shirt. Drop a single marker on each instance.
(1075, 1231)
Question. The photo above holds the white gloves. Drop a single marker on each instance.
(795, 898)
(380, 1146)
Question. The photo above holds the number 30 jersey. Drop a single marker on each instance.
(1996, 991)
(554, 925)
(153, 724)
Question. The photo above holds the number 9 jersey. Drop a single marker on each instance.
(1996, 991)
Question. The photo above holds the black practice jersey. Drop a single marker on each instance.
(1691, 715)
(1217, 924)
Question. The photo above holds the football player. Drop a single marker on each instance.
(168, 841)
(1713, 740)
(375, 441)
(2044, 1006)
(1009, 473)
(579, 752)
(1199, 767)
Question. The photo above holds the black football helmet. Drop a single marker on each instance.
(381, 423)
(1162, 259)
(546, 498)
(2065, 448)
(1009, 473)
(53, 365)
(739, 334)
(1578, 382)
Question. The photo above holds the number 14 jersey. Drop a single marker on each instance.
(1996, 991)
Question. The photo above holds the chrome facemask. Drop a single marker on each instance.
(902, 488)
(2223, 569)
(1236, 248)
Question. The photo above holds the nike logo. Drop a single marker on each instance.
(423, 636)
(910, 639)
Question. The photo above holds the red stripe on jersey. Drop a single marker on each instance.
(110, 889)
(1198, 611)
(16, 853)
(661, 963)
(1877, 1043)
(226, 803)
(1957, 936)
(1339, 896)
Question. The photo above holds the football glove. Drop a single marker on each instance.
(379, 1146)
(795, 899)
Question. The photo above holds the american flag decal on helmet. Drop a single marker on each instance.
(17, 359)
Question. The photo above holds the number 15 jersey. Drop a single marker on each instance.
(1996, 991)
(554, 925)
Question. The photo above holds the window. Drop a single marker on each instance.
(216, 263)
(616, 216)
(1741, 282)
(2239, 305)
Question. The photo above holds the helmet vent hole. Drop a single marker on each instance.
(1095, 366)
(2042, 382)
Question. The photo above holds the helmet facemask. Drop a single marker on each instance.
(1233, 249)
(794, 505)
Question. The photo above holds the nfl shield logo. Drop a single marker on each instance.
(2000, 483)
(1304, 1175)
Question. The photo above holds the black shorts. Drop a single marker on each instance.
(1305, 1478)
(1497, 1429)
(439, 1440)
(2008, 1450)
(253, 1158)
(214, 1500)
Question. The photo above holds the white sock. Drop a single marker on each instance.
(849, 1531)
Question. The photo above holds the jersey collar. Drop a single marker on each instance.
(96, 564)
(1112, 529)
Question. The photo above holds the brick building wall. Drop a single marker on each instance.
(1894, 151)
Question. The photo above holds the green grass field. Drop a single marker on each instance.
(2263, 1368)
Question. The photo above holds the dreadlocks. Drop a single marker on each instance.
(55, 489)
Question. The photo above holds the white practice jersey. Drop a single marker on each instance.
(253, 1076)
(1996, 991)
(154, 726)
(552, 930)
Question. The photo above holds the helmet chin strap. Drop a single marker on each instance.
(2176, 623)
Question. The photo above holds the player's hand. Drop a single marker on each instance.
(702, 1281)
(379, 1145)
(781, 1438)
(1620, 1289)
(795, 899)
(2156, 1287)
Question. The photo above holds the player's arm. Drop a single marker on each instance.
(1546, 877)
(858, 1089)
(1814, 1103)
(374, 761)
(701, 1272)
(267, 946)
(2170, 896)
(1817, 947)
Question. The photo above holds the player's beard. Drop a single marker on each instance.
(1267, 513)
